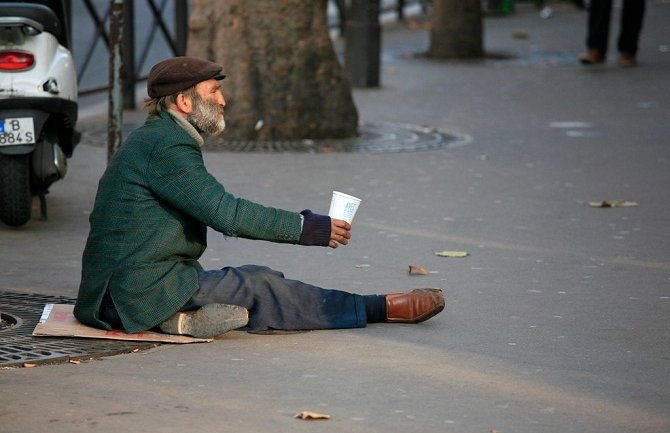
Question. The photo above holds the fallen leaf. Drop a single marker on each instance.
(417, 270)
(311, 415)
(452, 253)
(612, 203)
(520, 34)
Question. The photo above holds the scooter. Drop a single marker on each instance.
(38, 105)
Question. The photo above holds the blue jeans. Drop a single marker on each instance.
(275, 302)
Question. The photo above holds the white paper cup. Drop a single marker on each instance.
(343, 206)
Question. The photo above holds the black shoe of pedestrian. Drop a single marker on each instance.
(206, 322)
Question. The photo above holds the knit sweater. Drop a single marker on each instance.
(149, 226)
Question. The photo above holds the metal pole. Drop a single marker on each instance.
(181, 26)
(68, 23)
(342, 15)
(128, 55)
(115, 112)
(363, 43)
(400, 8)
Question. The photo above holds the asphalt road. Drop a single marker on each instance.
(557, 321)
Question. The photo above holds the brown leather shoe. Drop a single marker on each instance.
(591, 57)
(415, 306)
(627, 60)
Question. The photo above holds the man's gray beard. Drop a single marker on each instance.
(205, 117)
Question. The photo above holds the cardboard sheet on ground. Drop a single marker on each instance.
(58, 321)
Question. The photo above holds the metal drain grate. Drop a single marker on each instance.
(18, 347)
(378, 137)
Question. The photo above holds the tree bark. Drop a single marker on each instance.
(283, 78)
(457, 29)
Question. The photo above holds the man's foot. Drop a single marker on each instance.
(627, 60)
(415, 306)
(591, 57)
(206, 322)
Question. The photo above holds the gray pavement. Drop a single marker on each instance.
(556, 322)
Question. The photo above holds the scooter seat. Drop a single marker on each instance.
(33, 11)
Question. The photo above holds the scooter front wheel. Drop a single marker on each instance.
(15, 196)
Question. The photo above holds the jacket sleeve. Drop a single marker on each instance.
(177, 174)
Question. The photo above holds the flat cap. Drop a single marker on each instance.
(179, 73)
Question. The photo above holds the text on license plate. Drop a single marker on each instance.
(17, 130)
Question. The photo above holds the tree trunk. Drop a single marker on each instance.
(457, 29)
(283, 79)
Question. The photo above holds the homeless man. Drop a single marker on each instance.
(149, 223)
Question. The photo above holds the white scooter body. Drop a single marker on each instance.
(38, 104)
(53, 61)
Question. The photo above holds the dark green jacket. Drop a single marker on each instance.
(149, 226)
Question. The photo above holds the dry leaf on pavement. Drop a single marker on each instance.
(417, 270)
(520, 34)
(311, 415)
(612, 203)
(452, 253)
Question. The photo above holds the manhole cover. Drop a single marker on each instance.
(374, 138)
(20, 314)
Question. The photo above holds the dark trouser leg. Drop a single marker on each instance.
(108, 312)
(597, 35)
(275, 302)
(631, 25)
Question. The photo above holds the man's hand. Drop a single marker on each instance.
(339, 232)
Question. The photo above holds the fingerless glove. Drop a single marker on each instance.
(315, 229)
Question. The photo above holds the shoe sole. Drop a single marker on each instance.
(590, 62)
(206, 322)
(589, 59)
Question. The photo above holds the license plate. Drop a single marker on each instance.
(16, 131)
